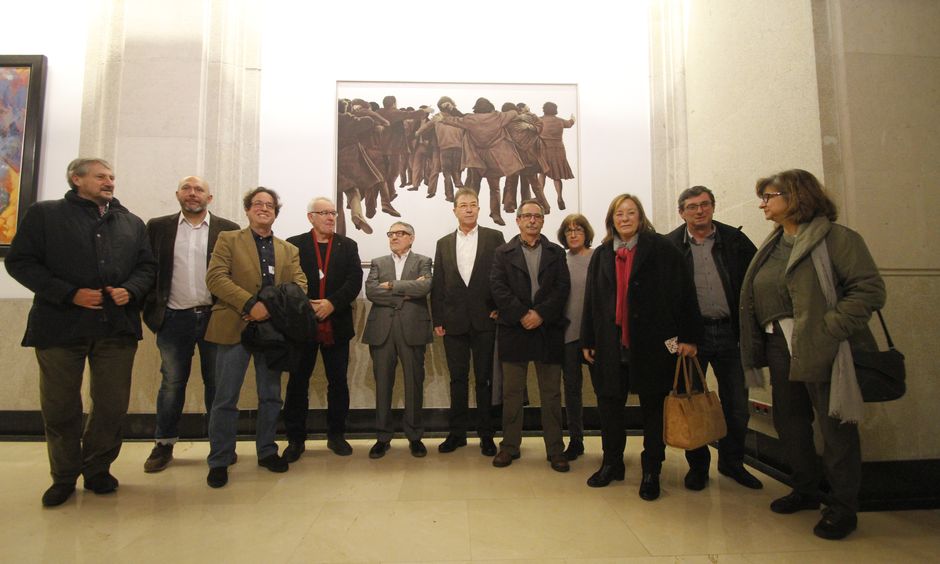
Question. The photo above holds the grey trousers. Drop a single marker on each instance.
(385, 359)
(89, 450)
(514, 384)
(794, 407)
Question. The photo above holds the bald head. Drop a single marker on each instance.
(194, 197)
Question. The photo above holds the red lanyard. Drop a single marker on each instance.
(320, 263)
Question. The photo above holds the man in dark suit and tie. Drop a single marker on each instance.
(334, 278)
(398, 328)
(464, 315)
(177, 310)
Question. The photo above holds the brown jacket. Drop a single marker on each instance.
(487, 145)
(234, 277)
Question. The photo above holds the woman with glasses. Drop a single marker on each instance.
(811, 286)
(575, 234)
(639, 295)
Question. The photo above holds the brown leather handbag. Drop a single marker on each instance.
(694, 418)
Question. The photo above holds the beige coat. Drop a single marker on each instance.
(234, 277)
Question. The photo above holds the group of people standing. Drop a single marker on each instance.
(200, 281)
(379, 144)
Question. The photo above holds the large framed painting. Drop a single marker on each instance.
(22, 87)
(404, 148)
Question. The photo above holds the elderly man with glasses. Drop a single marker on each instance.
(398, 328)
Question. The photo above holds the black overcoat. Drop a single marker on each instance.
(662, 305)
(512, 291)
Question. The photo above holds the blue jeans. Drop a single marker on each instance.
(231, 364)
(181, 333)
(719, 348)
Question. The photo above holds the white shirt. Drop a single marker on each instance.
(400, 263)
(467, 252)
(188, 286)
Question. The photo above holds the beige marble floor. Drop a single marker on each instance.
(444, 508)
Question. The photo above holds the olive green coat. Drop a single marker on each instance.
(817, 329)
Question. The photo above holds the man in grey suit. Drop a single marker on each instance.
(398, 328)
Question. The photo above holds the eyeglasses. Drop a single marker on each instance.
(391, 234)
(767, 196)
(528, 216)
(573, 230)
(695, 207)
(265, 205)
(326, 213)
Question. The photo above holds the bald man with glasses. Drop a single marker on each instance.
(399, 329)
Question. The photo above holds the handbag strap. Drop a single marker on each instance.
(885, 328)
(681, 361)
(701, 374)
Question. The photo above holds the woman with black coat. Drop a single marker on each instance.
(638, 276)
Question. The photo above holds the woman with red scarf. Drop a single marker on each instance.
(640, 294)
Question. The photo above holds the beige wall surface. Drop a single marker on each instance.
(849, 90)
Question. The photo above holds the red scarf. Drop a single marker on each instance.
(624, 264)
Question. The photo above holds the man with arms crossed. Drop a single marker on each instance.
(177, 310)
(464, 315)
(398, 328)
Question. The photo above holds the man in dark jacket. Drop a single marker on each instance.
(88, 261)
(530, 285)
(177, 310)
(334, 278)
(718, 255)
(464, 315)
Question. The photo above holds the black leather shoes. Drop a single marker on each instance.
(57, 494)
(559, 462)
(293, 451)
(574, 450)
(339, 445)
(832, 527)
(504, 459)
(451, 443)
(740, 475)
(160, 457)
(487, 446)
(274, 463)
(417, 449)
(605, 475)
(218, 476)
(379, 449)
(649, 487)
(696, 480)
(793, 502)
(101, 483)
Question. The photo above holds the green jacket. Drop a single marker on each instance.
(817, 329)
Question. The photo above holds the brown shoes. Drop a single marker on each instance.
(559, 462)
(160, 457)
(503, 459)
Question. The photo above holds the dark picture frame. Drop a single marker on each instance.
(22, 99)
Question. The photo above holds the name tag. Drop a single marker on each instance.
(270, 269)
(320, 274)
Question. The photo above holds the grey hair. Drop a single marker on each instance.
(407, 226)
(312, 203)
(79, 167)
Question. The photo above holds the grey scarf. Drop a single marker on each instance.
(845, 397)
